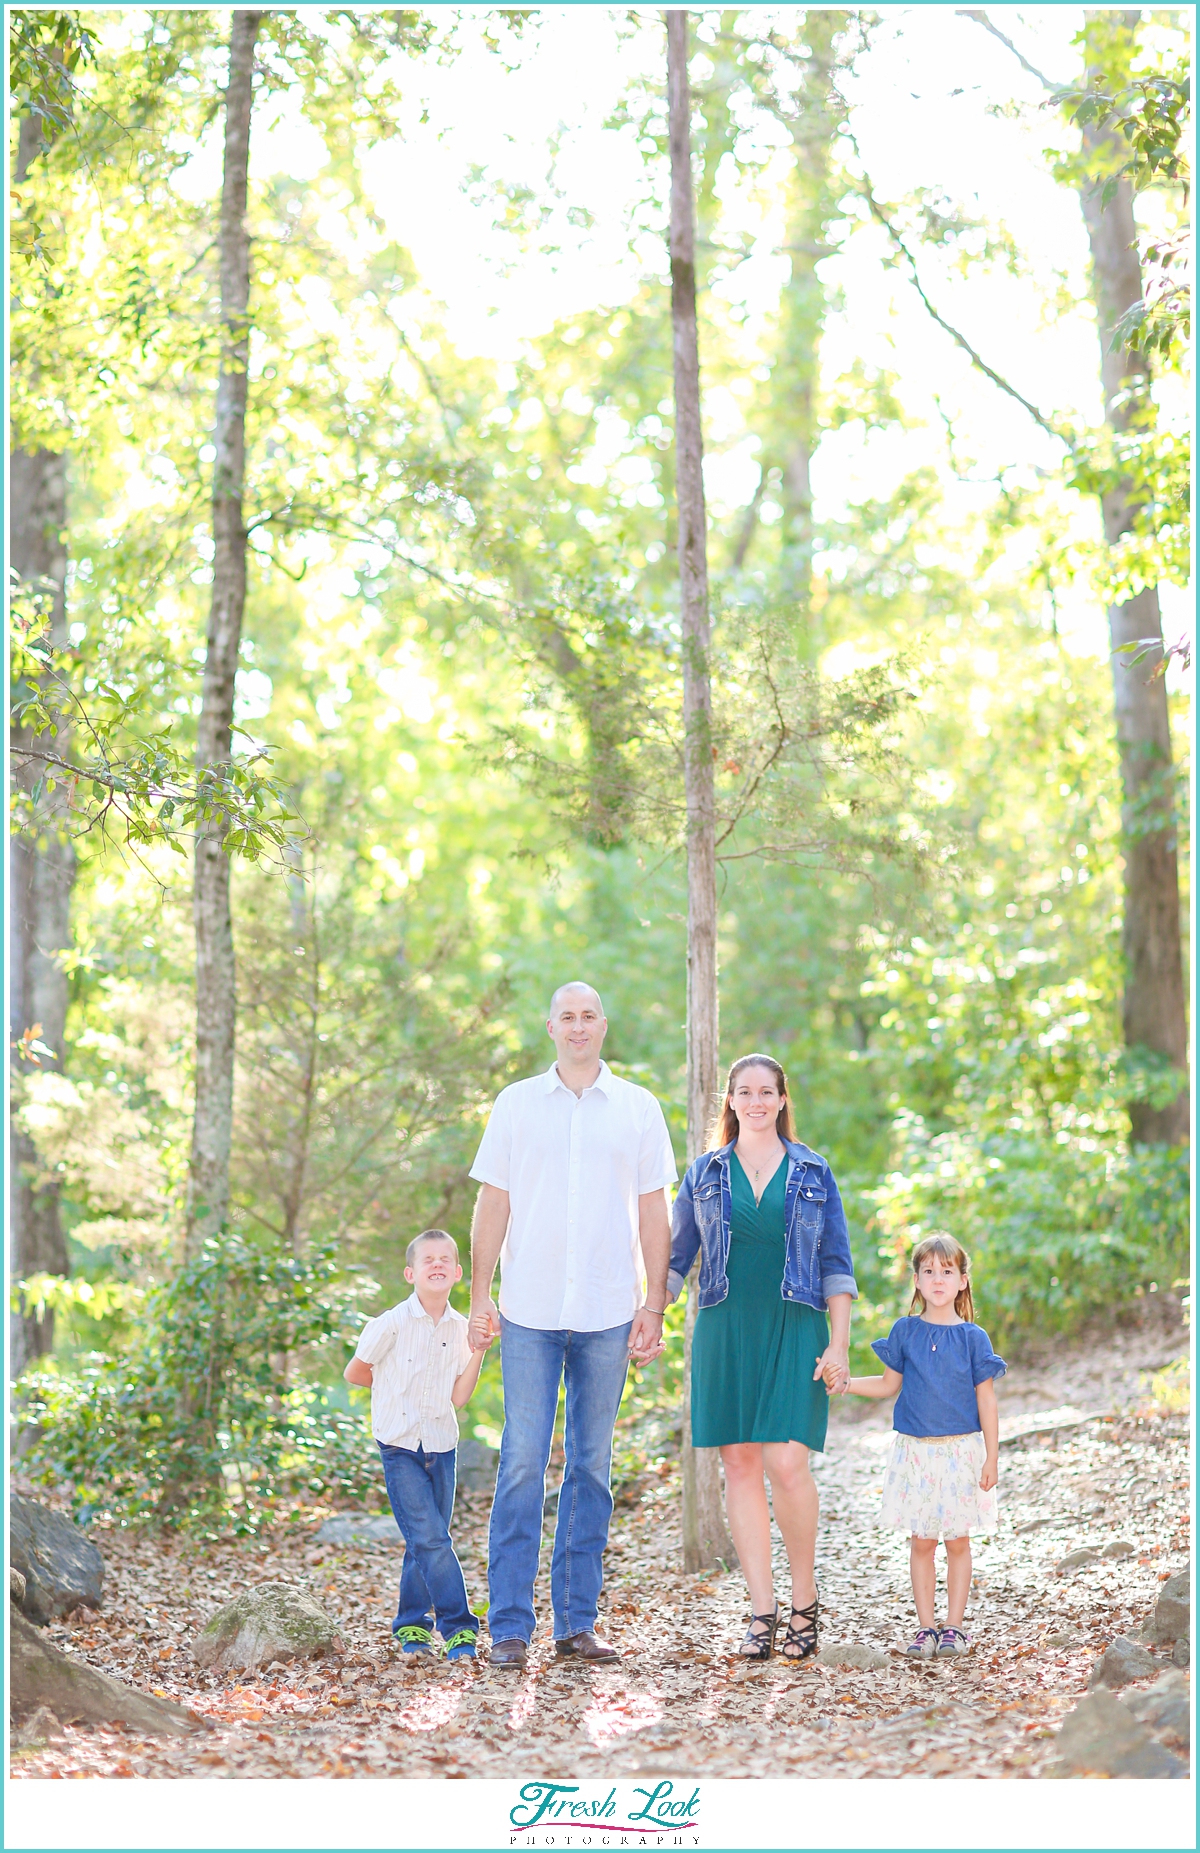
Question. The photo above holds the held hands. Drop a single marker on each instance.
(484, 1326)
(645, 1336)
(834, 1367)
(989, 1476)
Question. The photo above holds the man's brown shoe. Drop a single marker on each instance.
(509, 1654)
(586, 1646)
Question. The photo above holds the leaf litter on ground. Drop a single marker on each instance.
(680, 1701)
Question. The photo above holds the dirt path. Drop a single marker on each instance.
(679, 1703)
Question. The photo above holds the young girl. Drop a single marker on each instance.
(942, 1469)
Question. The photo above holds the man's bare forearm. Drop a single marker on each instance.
(489, 1226)
(654, 1230)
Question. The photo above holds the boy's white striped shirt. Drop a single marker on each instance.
(414, 1364)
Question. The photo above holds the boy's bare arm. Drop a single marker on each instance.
(888, 1385)
(464, 1383)
(359, 1374)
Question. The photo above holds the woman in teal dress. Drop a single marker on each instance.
(764, 1213)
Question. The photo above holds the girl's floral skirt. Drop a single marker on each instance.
(931, 1486)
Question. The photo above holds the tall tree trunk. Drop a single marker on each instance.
(1154, 1006)
(212, 1126)
(705, 1539)
(41, 873)
(811, 204)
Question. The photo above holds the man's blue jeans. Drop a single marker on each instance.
(534, 1363)
(420, 1488)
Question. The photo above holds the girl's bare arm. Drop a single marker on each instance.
(887, 1385)
(989, 1421)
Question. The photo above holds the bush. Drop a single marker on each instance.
(1057, 1228)
(214, 1413)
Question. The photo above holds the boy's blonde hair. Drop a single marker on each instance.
(428, 1235)
(954, 1255)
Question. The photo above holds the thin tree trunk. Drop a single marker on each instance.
(41, 873)
(1154, 1005)
(705, 1539)
(212, 1127)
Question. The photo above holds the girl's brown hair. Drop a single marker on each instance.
(724, 1129)
(954, 1255)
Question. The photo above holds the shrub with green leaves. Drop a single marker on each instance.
(1056, 1231)
(213, 1413)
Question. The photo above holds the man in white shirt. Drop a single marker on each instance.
(573, 1170)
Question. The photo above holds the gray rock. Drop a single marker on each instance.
(1120, 1547)
(1122, 1661)
(1062, 1639)
(1075, 1560)
(39, 1728)
(1181, 1653)
(359, 1528)
(1172, 1618)
(477, 1465)
(851, 1654)
(1102, 1737)
(1165, 1707)
(272, 1621)
(16, 1587)
(63, 1685)
(62, 1568)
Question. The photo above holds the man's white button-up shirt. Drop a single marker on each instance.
(413, 1364)
(574, 1168)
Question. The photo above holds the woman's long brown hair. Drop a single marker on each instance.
(955, 1256)
(724, 1129)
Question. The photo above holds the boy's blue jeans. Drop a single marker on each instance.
(420, 1488)
(534, 1364)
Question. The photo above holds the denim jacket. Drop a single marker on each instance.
(817, 1263)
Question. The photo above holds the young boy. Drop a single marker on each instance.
(418, 1362)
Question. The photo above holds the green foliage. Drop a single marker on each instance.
(1059, 1229)
(1144, 115)
(136, 784)
(211, 1415)
(45, 49)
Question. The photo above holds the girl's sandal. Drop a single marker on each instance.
(801, 1643)
(760, 1646)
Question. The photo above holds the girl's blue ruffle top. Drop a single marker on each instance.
(941, 1366)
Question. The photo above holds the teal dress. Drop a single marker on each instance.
(753, 1356)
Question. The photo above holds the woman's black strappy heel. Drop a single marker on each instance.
(763, 1645)
(801, 1643)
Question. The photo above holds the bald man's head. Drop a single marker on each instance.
(577, 990)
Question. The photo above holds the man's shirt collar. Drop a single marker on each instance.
(603, 1080)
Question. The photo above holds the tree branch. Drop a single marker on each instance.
(981, 19)
(960, 340)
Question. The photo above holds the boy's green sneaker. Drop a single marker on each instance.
(461, 1646)
(415, 1640)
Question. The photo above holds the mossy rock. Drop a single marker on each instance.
(273, 1621)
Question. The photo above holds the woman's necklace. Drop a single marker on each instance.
(756, 1171)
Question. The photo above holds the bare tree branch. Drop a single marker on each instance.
(981, 19)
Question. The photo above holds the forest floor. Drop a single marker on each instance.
(679, 1702)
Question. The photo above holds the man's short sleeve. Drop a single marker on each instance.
(493, 1160)
(376, 1339)
(656, 1160)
